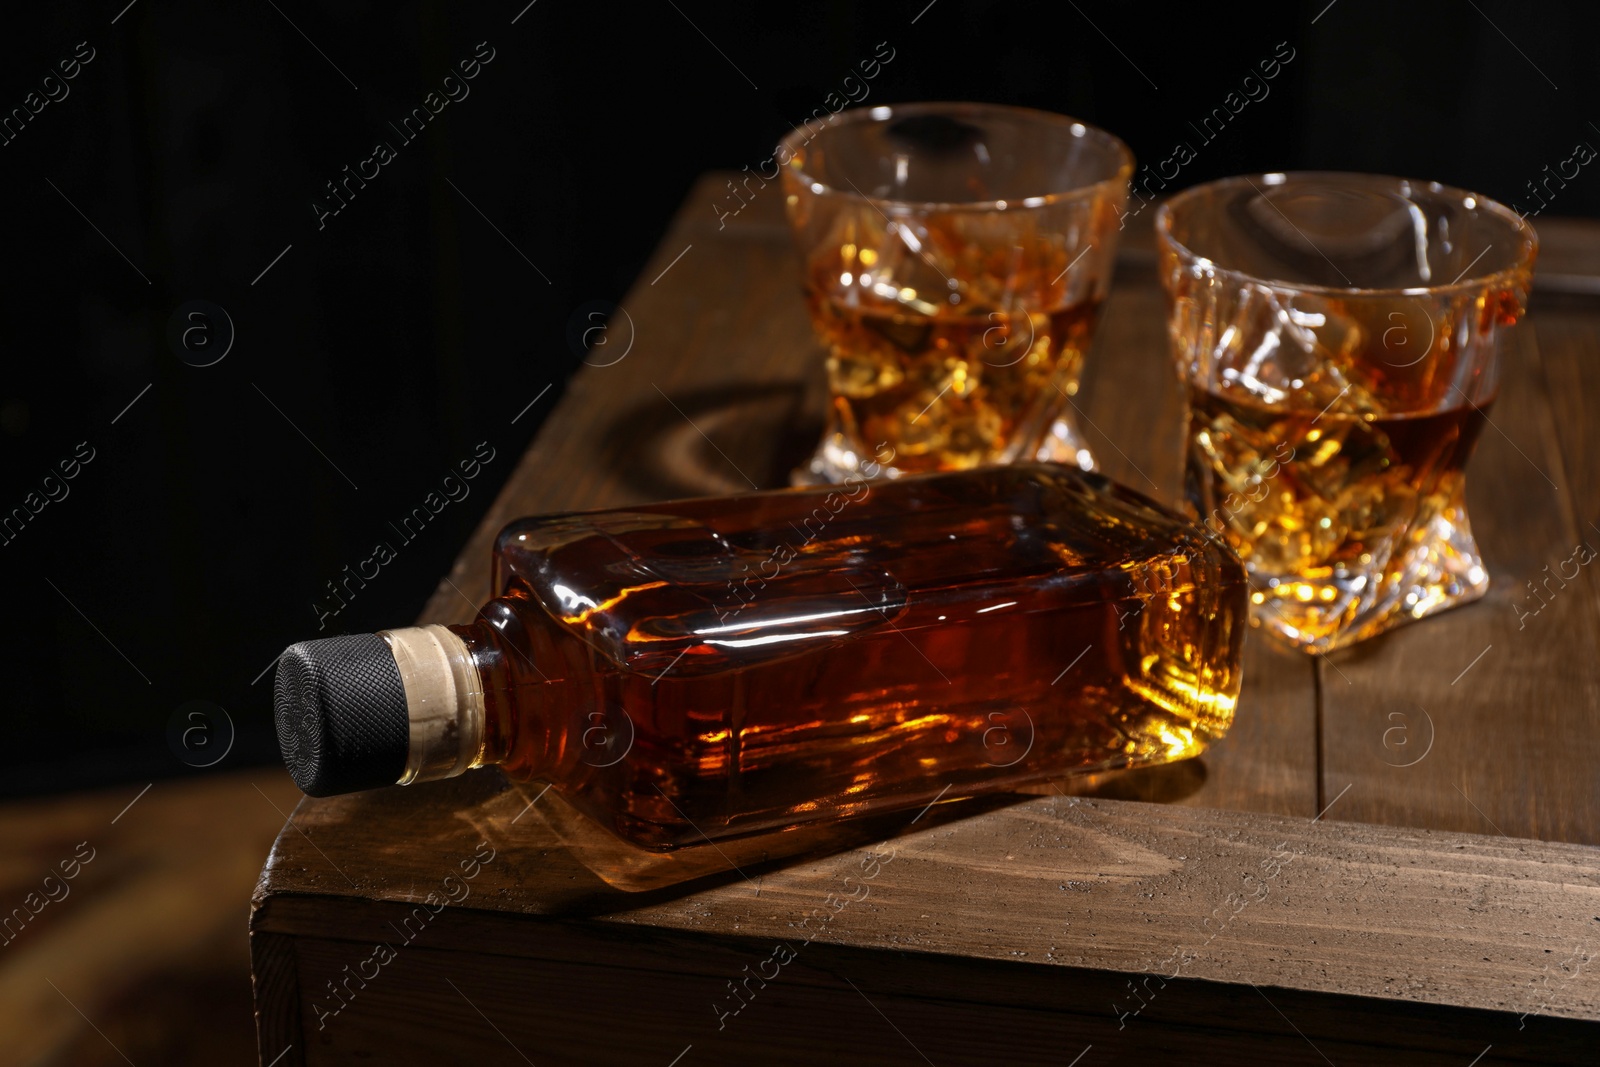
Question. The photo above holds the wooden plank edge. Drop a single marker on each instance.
(275, 982)
(1363, 910)
(1190, 1012)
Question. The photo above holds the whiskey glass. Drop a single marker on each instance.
(955, 257)
(1340, 336)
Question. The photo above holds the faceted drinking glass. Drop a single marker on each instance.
(1340, 337)
(955, 257)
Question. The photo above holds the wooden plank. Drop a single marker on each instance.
(1569, 260)
(1570, 346)
(1569, 338)
(838, 1005)
(1505, 701)
(276, 985)
(1096, 890)
(148, 927)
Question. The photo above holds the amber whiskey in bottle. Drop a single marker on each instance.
(690, 671)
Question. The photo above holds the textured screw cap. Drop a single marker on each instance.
(341, 713)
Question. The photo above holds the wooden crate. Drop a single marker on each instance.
(1391, 856)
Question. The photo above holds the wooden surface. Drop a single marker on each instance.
(1514, 745)
(1016, 928)
(143, 954)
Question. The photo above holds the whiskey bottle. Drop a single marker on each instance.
(690, 671)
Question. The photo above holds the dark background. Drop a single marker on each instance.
(384, 346)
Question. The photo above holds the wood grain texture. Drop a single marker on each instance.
(1108, 885)
(1029, 921)
(1570, 346)
(1505, 700)
(837, 1005)
(1011, 924)
(276, 987)
(1569, 260)
(149, 931)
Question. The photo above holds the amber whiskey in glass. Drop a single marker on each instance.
(697, 670)
(955, 258)
(1341, 338)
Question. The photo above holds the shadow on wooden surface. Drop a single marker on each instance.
(1167, 783)
(683, 446)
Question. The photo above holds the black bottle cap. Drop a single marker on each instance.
(341, 713)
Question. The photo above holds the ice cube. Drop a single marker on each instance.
(912, 268)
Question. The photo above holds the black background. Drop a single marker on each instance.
(384, 346)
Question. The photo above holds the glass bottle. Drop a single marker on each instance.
(702, 669)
